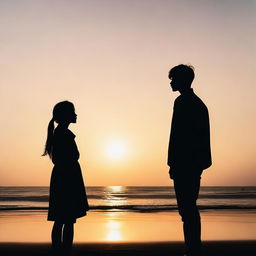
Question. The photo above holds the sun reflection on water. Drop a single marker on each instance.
(115, 196)
(114, 235)
(113, 231)
(116, 189)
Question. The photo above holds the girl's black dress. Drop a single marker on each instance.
(68, 200)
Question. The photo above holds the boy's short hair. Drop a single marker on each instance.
(184, 72)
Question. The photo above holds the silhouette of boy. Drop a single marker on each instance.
(189, 152)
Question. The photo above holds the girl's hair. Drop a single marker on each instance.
(59, 114)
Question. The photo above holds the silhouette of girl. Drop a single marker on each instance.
(68, 199)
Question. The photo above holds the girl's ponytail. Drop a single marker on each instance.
(48, 144)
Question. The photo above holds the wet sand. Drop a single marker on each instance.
(130, 233)
(129, 227)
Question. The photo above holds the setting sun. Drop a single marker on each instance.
(115, 149)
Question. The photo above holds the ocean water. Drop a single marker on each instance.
(139, 199)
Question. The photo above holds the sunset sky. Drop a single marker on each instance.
(111, 59)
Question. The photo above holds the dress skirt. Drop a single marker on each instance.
(68, 200)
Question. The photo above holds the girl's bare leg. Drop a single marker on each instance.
(68, 235)
(56, 235)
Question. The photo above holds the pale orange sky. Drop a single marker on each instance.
(111, 59)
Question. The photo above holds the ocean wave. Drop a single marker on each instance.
(134, 208)
(168, 196)
(45, 198)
